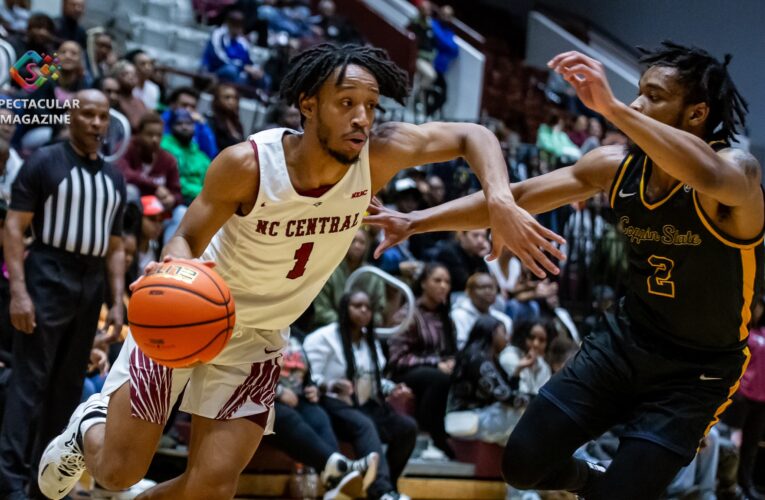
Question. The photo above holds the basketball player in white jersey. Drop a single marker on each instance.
(276, 215)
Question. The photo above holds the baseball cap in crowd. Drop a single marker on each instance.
(151, 205)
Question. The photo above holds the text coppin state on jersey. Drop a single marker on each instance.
(307, 227)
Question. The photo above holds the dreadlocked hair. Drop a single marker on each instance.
(706, 80)
(311, 68)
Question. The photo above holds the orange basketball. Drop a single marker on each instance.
(181, 313)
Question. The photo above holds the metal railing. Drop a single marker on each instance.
(396, 283)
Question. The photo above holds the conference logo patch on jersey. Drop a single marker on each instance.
(177, 272)
(359, 194)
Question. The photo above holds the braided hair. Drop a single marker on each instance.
(344, 327)
(310, 69)
(705, 80)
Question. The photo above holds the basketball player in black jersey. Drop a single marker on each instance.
(692, 211)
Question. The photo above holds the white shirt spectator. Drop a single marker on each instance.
(464, 314)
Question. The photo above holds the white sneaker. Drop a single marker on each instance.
(368, 467)
(348, 487)
(62, 462)
(395, 495)
(99, 493)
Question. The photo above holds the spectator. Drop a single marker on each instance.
(481, 399)
(522, 299)
(225, 121)
(422, 357)
(227, 54)
(187, 98)
(284, 115)
(436, 193)
(507, 271)
(192, 162)
(111, 89)
(560, 351)
(579, 133)
(148, 167)
(279, 19)
(524, 358)
(422, 28)
(400, 260)
(38, 36)
(594, 136)
(347, 362)
(130, 106)
(14, 15)
(552, 139)
(551, 310)
(465, 256)
(68, 25)
(302, 429)
(149, 244)
(700, 476)
(101, 55)
(446, 52)
(446, 46)
(10, 161)
(751, 403)
(145, 90)
(327, 302)
(481, 295)
(71, 80)
(57, 291)
(603, 299)
(332, 27)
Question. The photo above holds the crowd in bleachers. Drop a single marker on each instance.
(485, 335)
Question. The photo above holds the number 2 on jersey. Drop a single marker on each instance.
(660, 283)
(302, 255)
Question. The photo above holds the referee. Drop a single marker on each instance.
(74, 202)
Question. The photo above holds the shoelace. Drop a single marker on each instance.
(360, 465)
(71, 464)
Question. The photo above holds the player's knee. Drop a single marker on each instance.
(519, 469)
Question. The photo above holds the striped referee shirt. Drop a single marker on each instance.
(77, 202)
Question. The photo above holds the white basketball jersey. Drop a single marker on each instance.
(277, 258)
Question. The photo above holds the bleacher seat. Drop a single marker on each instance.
(161, 10)
(157, 35)
(190, 42)
(487, 457)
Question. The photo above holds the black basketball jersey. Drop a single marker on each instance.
(688, 280)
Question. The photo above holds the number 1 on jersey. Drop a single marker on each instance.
(302, 255)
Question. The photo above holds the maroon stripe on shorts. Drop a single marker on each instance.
(150, 387)
(259, 387)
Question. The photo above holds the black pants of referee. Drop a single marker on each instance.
(49, 365)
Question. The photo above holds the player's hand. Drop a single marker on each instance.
(114, 320)
(22, 312)
(341, 387)
(446, 366)
(397, 225)
(98, 361)
(153, 266)
(311, 393)
(516, 229)
(401, 391)
(288, 397)
(588, 77)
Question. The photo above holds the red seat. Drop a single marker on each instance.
(487, 457)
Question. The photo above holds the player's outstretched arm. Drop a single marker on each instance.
(731, 178)
(230, 181)
(396, 146)
(593, 173)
